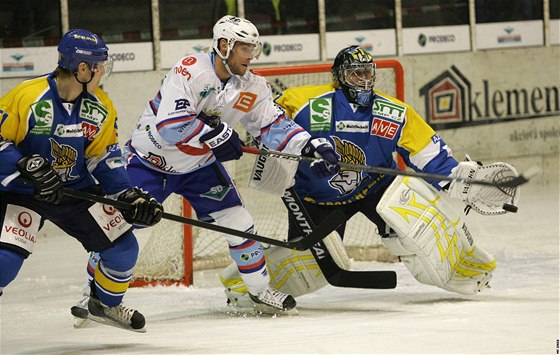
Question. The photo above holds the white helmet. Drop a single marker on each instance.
(235, 29)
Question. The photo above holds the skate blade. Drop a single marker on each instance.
(112, 323)
(80, 322)
(260, 310)
(265, 309)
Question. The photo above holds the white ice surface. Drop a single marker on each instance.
(518, 315)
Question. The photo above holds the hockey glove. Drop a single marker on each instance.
(486, 200)
(322, 149)
(145, 210)
(47, 184)
(224, 142)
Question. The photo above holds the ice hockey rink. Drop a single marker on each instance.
(518, 315)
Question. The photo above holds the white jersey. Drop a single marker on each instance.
(191, 100)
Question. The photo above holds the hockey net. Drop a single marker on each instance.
(172, 251)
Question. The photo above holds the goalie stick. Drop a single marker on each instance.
(301, 243)
(334, 274)
(509, 183)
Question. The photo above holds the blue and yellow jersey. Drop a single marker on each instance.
(81, 144)
(362, 135)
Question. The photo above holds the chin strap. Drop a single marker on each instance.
(84, 84)
(224, 61)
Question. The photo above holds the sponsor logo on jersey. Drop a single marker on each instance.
(245, 101)
(217, 193)
(159, 162)
(181, 104)
(89, 130)
(93, 111)
(152, 138)
(320, 114)
(183, 71)
(390, 110)
(384, 128)
(352, 126)
(189, 61)
(436, 138)
(66, 131)
(44, 114)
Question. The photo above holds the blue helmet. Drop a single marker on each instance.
(78, 46)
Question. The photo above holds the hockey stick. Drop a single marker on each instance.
(514, 182)
(301, 243)
(335, 275)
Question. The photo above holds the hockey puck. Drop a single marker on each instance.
(509, 208)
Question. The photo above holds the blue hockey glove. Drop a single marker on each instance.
(47, 184)
(322, 149)
(145, 211)
(224, 142)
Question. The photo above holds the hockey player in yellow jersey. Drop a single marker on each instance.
(59, 131)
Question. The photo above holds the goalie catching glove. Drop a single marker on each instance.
(144, 211)
(224, 142)
(486, 200)
(321, 148)
(47, 184)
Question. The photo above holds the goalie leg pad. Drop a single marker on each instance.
(292, 272)
(433, 242)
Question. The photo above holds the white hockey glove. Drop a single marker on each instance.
(486, 200)
(432, 240)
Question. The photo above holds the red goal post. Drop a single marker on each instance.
(170, 251)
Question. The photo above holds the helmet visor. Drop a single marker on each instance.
(105, 67)
(247, 50)
(360, 76)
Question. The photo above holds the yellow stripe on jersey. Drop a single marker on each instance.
(19, 100)
(416, 133)
(294, 99)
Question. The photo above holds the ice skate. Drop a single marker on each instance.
(272, 301)
(80, 312)
(119, 316)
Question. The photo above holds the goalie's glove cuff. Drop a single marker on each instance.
(322, 149)
(47, 184)
(224, 142)
(487, 200)
(145, 209)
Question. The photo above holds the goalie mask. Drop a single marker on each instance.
(78, 46)
(235, 29)
(353, 71)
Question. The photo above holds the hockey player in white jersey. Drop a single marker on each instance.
(186, 132)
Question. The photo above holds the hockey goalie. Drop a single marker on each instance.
(424, 230)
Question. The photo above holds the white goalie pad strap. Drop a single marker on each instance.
(486, 200)
(273, 175)
(20, 227)
(294, 272)
(433, 242)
